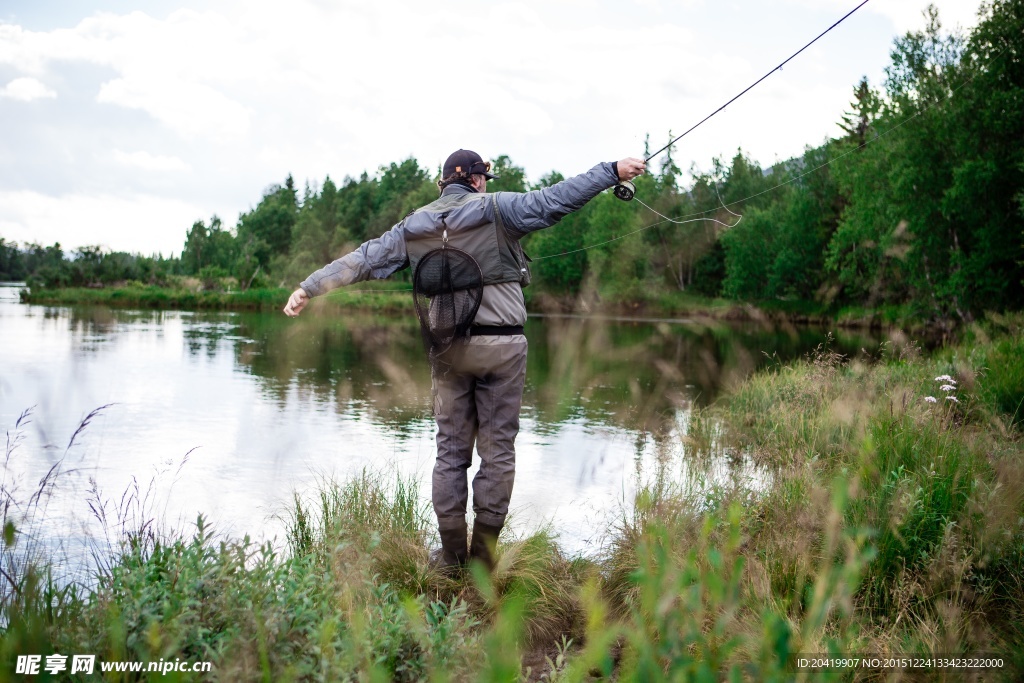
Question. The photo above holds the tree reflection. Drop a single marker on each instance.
(633, 375)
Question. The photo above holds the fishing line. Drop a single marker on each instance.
(724, 206)
(626, 190)
(752, 85)
(862, 145)
(680, 221)
(677, 221)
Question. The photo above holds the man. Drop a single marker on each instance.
(478, 388)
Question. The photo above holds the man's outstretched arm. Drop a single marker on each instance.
(524, 212)
(374, 259)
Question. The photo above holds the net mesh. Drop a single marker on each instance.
(447, 288)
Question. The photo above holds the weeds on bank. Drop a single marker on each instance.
(884, 523)
(934, 467)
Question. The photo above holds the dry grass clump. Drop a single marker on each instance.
(376, 530)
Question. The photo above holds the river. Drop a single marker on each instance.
(230, 414)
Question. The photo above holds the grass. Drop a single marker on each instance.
(884, 524)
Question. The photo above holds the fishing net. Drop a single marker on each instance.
(447, 288)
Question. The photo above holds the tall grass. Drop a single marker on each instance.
(34, 599)
(931, 484)
(881, 522)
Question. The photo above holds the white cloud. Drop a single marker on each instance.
(26, 89)
(175, 70)
(150, 162)
(135, 222)
(189, 109)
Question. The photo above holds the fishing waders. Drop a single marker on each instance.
(482, 547)
(454, 553)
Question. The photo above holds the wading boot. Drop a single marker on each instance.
(453, 555)
(485, 540)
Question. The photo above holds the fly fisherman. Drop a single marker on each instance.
(478, 388)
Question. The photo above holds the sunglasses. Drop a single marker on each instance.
(475, 168)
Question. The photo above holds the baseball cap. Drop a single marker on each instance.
(465, 161)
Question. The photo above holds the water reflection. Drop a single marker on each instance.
(272, 402)
(629, 375)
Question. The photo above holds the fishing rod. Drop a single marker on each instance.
(701, 216)
(625, 190)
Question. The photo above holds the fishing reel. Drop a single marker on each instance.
(624, 190)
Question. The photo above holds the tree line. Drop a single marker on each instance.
(918, 205)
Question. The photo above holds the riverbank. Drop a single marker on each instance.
(374, 298)
(887, 520)
(386, 297)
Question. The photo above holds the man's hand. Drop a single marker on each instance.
(630, 168)
(296, 302)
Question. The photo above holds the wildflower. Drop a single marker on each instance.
(930, 399)
(952, 398)
(945, 378)
(947, 387)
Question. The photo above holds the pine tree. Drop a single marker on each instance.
(866, 107)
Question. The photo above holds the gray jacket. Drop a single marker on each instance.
(521, 213)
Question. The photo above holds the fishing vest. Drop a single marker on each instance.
(501, 259)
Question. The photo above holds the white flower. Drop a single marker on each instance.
(930, 399)
(952, 398)
(945, 378)
(947, 387)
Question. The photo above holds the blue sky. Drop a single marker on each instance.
(133, 119)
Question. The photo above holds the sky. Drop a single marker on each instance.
(126, 121)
